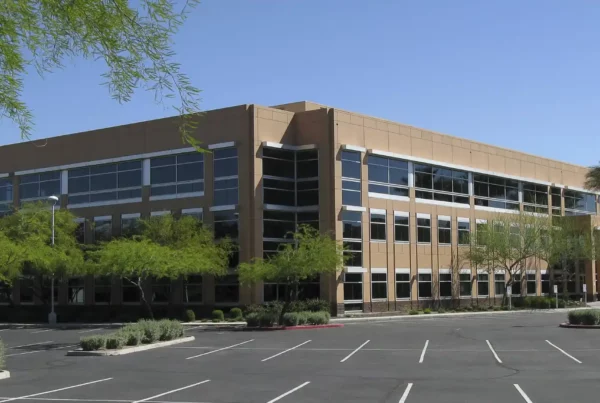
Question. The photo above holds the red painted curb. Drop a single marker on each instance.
(307, 327)
(570, 326)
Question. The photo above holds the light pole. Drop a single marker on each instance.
(52, 315)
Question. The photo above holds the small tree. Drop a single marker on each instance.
(508, 242)
(310, 255)
(11, 263)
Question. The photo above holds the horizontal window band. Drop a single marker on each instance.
(104, 203)
(103, 218)
(177, 196)
(388, 197)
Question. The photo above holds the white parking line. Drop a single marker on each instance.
(42, 331)
(423, 353)
(221, 349)
(493, 352)
(286, 393)
(91, 330)
(523, 394)
(355, 351)
(285, 351)
(53, 391)
(564, 352)
(33, 344)
(47, 399)
(171, 391)
(27, 352)
(406, 392)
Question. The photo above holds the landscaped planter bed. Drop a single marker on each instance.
(583, 319)
(302, 327)
(129, 350)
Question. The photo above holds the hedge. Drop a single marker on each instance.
(93, 343)
(144, 331)
(588, 317)
(236, 314)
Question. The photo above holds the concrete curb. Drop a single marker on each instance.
(214, 324)
(307, 327)
(449, 315)
(128, 350)
(570, 326)
(4, 374)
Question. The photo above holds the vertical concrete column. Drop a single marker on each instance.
(64, 182)
(471, 184)
(590, 280)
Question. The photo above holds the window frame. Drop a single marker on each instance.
(420, 225)
(350, 217)
(362, 290)
(446, 281)
(80, 287)
(176, 183)
(73, 198)
(386, 163)
(348, 179)
(430, 282)
(401, 216)
(486, 282)
(462, 281)
(377, 226)
(447, 231)
(528, 281)
(403, 272)
(460, 223)
(379, 273)
(435, 172)
(491, 182)
(224, 178)
(39, 182)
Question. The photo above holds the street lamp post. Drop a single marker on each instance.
(52, 315)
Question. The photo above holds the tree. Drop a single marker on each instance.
(510, 242)
(310, 254)
(167, 248)
(27, 234)
(133, 43)
(593, 178)
(11, 262)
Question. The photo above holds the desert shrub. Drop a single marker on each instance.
(302, 318)
(115, 341)
(151, 331)
(413, 312)
(252, 319)
(236, 314)
(427, 311)
(268, 319)
(317, 318)
(93, 343)
(132, 337)
(170, 329)
(291, 319)
(585, 317)
(190, 315)
(317, 305)
(218, 316)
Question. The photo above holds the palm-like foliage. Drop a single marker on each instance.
(592, 179)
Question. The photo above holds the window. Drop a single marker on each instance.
(499, 284)
(378, 285)
(423, 229)
(424, 285)
(273, 292)
(483, 285)
(352, 238)
(5, 293)
(308, 218)
(464, 231)
(445, 283)
(535, 198)
(531, 284)
(307, 178)
(309, 288)
(39, 186)
(107, 182)
(161, 290)
(26, 290)
(227, 289)
(225, 176)
(6, 194)
(388, 176)
(130, 292)
(496, 192)
(130, 225)
(226, 224)
(192, 289)
(353, 287)
(444, 231)
(102, 229)
(442, 184)
(401, 227)
(465, 283)
(351, 178)
(377, 226)
(278, 224)
(545, 280)
(556, 201)
(579, 203)
(516, 286)
(403, 283)
(102, 289)
(193, 212)
(177, 174)
(76, 290)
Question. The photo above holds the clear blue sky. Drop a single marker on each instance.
(518, 74)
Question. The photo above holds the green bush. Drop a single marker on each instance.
(317, 318)
(413, 312)
(587, 317)
(302, 318)
(504, 308)
(93, 343)
(115, 341)
(497, 308)
(151, 331)
(190, 316)
(427, 311)
(218, 316)
(317, 305)
(132, 337)
(254, 308)
(170, 330)
(236, 314)
(291, 319)
(268, 319)
(252, 319)
(441, 310)
(2, 353)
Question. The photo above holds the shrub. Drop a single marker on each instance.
(151, 331)
(413, 312)
(115, 341)
(317, 318)
(504, 308)
(302, 318)
(93, 343)
(441, 310)
(268, 319)
(132, 337)
(497, 308)
(170, 330)
(252, 319)
(427, 311)
(236, 314)
(291, 319)
(1, 355)
(254, 308)
(218, 316)
(317, 305)
(587, 317)
(190, 316)
(489, 308)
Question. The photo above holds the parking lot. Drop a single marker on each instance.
(521, 357)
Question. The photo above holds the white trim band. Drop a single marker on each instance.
(444, 271)
(354, 208)
(377, 211)
(423, 215)
(177, 196)
(216, 146)
(130, 215)
(424, 271)
(104, 203)
(401, 214)
(3, 175)
(191, 210)
(103, 218)
(481, 221)
(463, 219)
(352, 269)
(159, 213)
(444, 218)
(388, 197)
(497, 210)
(350, 147)
(223, 208)
(465, 271)
(379, 270)
(272, 144)
(442, 203)
(402, 271)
